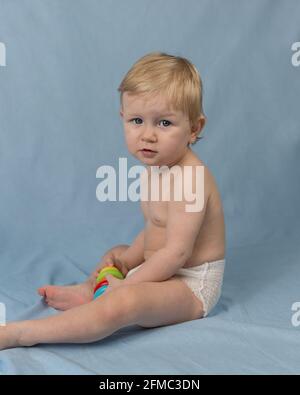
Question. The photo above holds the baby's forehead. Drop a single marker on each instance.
(154, 105)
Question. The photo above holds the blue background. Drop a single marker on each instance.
(59, 121)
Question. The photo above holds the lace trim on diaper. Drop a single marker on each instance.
(205, 281)
(212, 286)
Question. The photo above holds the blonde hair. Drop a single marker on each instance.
(176, 77)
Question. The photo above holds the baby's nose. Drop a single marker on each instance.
(148, 135)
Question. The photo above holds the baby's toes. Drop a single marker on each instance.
(50, 292)
(42, 291)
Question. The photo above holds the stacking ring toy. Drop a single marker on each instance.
(99, 285)
(109, 270)
(100, 291)
(101, 281)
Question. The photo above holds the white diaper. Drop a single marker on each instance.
(204, 280)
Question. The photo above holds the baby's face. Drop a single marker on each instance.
(149, 124)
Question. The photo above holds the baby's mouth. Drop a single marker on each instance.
(147, 150)
(148, 153)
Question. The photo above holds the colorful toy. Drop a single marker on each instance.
(101, 281)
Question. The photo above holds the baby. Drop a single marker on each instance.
(174, 268)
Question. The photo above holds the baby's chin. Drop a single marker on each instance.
(153, 162)
(147, 161)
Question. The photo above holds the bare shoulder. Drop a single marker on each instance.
(209, 181)
(211, 189)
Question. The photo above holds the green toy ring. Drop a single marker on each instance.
(109, 270)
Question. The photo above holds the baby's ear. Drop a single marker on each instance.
(199, 125)
(197, 128)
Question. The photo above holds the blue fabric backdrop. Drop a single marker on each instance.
(59, 121)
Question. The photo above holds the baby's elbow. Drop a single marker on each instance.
(181, 254)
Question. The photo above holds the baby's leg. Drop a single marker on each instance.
(147, 304)
(67, 297)
(82, 324)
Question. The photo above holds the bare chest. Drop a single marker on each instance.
(209, 243)
(155, 213)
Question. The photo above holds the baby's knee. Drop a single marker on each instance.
(123, 304)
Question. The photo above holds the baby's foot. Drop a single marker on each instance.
(66, 297)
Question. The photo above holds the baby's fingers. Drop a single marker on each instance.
(109, 262)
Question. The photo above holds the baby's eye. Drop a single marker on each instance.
(164, 120)
(134, 119)
(139, 123)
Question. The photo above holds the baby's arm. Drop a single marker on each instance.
(181, 232)
(134, 255)
(124, 257)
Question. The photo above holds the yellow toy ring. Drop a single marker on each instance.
(109, 270)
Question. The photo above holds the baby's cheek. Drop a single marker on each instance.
(131, 142)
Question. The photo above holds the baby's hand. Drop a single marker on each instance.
(112, 261)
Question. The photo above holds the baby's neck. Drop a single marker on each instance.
(185, 158)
